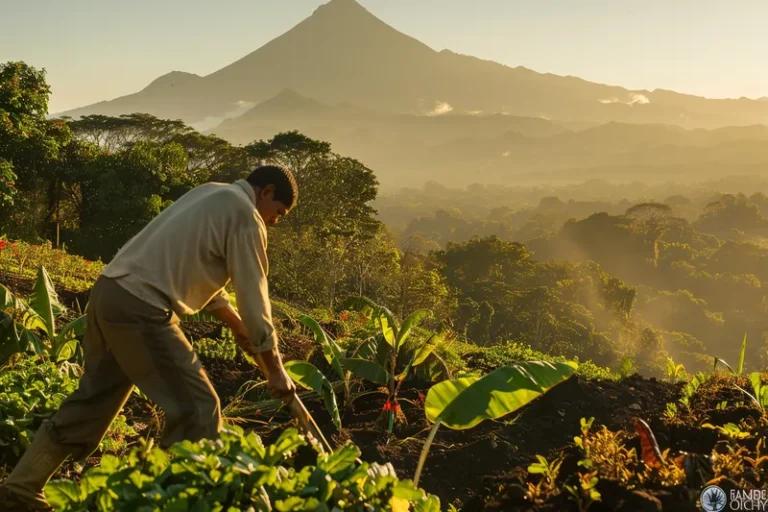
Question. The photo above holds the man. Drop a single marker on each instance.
(178, 264)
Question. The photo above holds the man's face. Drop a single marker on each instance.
(270, 209)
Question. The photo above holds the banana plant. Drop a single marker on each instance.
(391, 339)
(464, 403)
(21, 320)
(308, 376)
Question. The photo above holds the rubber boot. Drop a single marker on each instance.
(23, 489)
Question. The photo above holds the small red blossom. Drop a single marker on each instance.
(344, 316)
(87, 262)
(362, 319)
(2, 244)
(387, 406)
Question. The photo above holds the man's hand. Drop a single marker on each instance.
(270, 363)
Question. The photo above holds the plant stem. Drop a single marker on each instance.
(424, 451)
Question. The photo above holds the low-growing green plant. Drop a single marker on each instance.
(67, 270)
(31, 391)
(238, 473)
(464, 403)
(730, 430)
(691, 387)
(671, 411)
(627, 367)
(761, 391)
(224, 349)
(674, 371)
(547, 484)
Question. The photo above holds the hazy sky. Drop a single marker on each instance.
(96, 50)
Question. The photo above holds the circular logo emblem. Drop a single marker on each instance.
(713, 499)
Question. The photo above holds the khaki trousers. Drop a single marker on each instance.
(129, 342)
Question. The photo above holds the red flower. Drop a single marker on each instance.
(2, 244)
(362, 319)
(344, 316)
(387, 406)
(87, 262)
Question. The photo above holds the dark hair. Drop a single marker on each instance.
(286, 190)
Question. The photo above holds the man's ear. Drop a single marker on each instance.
(267, 191)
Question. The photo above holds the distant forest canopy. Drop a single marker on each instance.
(442, 213)
(578, 271)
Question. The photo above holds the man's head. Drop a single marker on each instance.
(276, 191)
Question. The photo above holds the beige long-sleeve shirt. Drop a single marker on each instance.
(185, 257)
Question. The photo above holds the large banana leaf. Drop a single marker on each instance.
(383, 317)
(309, 377)
(367, 370)
(331, 350)
(45, 302)
(463, 403)
(413, 320)
(423, 352)
(25, 315)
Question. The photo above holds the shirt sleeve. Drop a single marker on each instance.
(248, 268)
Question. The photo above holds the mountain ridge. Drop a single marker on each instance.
(343, 52)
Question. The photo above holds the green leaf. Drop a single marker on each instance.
(45, 302)
(463, 403)
(383, 317)
(421, 355)
(413, 320)
(66, 351)
(367, 370)
(62, 493)
(757, 385)
(430, 504)
(331, 350)
(741, 355)
(308, 376)
(340, 460)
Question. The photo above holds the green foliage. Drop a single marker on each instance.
(761, 391)
(691, 387)
(32, 390)
(508, 353)
(238, 472)
(463, 403)
(309, 377)
(67, 271)
(674, 371)
(21, 321)
(224, 349)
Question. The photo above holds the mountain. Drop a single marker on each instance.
(343, 53)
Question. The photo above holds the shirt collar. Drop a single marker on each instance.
(248, 189)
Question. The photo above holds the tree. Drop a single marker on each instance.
(334, 191)
(124, 191)
(29, 145)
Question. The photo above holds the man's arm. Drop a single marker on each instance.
(247, 266)
(269, 361)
